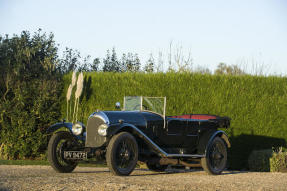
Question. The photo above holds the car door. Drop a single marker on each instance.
(175, 132)
(191, 134)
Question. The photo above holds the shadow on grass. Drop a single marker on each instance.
(90, 172)
(173, 171)
(242, 146)
(4, 189)
(168, 171)
(150, 174)
(233, 172)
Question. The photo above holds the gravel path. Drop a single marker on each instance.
(92, 178)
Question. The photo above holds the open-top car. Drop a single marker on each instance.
(141, 131)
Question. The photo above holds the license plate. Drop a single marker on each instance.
(75, 155)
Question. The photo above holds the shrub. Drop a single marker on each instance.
(278, 161)
(259, 160)
(30, 88)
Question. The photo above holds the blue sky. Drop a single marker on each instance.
(243, 32)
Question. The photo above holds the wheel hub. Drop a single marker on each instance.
(217, 156)
(125, 154)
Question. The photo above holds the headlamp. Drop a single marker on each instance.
(102, 130)
(77, 129)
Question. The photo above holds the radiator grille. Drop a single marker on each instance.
(93, 139)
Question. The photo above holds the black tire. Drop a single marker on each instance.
(122, 154)
(156, 167)
(216, 157)
(57, 144)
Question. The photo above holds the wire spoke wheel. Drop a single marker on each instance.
(63, 146)
(58, 144)
(125, 154)
(122, 154)
(216, 157)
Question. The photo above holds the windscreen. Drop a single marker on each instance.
(132, 103)
(154, 104)
(139, 103)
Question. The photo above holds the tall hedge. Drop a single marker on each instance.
(30, 88)
(256, 105)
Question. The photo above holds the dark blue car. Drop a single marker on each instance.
(141, 132)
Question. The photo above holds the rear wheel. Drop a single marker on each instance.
(58, 143)
(216, 157)
(122, 154)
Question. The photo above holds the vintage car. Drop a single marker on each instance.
(141, 132)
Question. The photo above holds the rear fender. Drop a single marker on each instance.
(207, 138)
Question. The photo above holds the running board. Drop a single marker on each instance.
(161, 152)
(185, 155)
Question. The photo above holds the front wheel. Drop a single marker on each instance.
(122, 154)
(58, 143)
(216, 157)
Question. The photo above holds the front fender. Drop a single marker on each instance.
(118, 127)
(68, 126)
(136, 131)
(57, 126)
(207, 138)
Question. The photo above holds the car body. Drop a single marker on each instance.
(142, 132)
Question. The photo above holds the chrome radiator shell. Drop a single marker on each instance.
(93, 139)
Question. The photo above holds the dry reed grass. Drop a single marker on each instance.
(78, 93)
(69, 93)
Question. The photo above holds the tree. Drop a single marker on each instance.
(85, 66)
(177, 60)
(123, 63)
(111, 63)
(96, 65)
(106, 62)
(159, 66)
(30, 90)
(130, 63)
(133, 63)
(202, 70)
(70, 60)
(149, 67)
(137, 63)
(223, 68)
